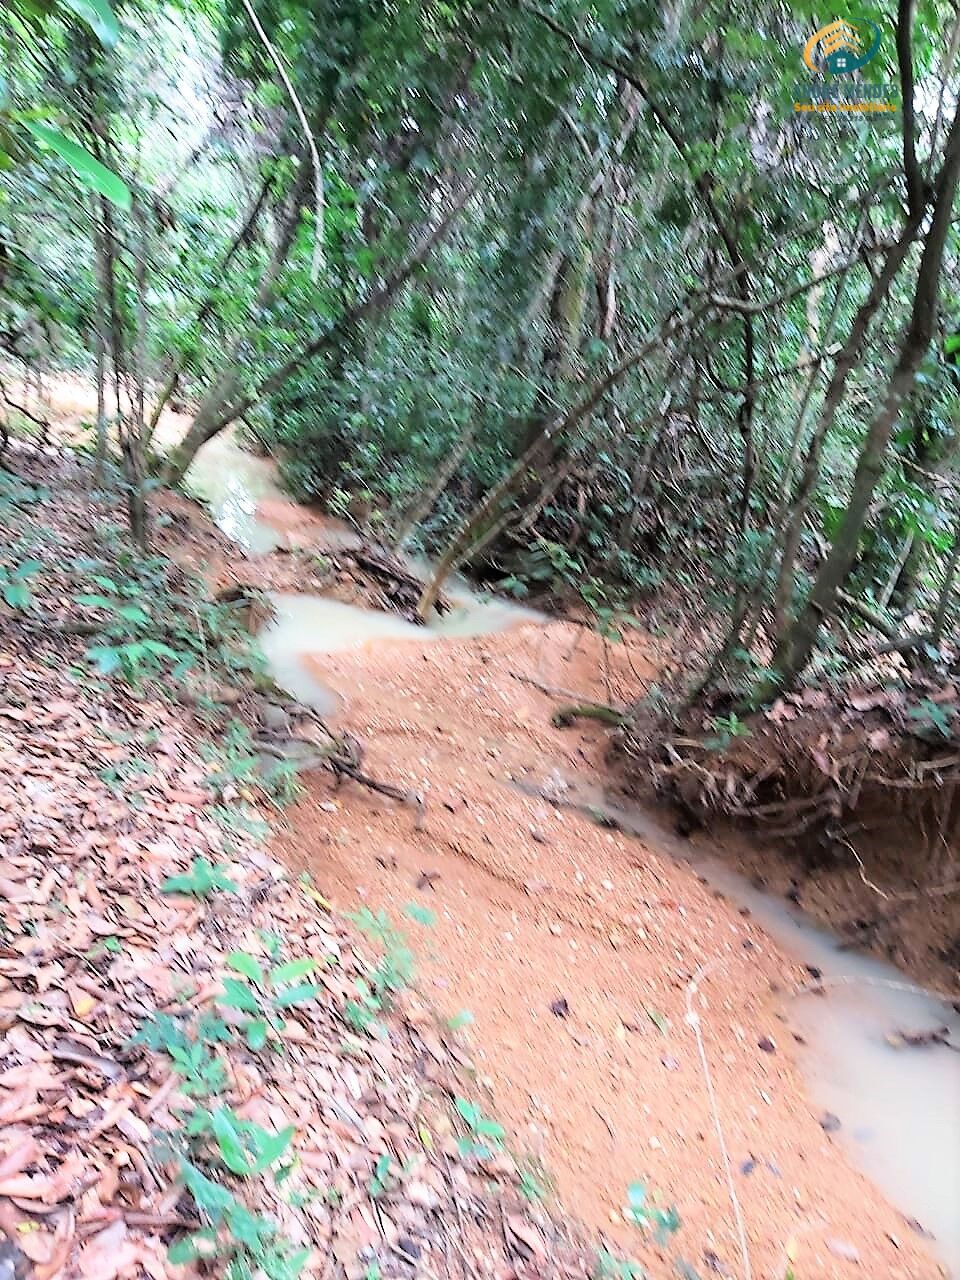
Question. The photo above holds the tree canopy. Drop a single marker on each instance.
(577, 295)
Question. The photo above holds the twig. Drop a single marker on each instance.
(693, 1020)
(318, 233)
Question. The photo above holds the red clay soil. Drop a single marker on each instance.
(574, 948)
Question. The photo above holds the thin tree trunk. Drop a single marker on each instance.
(176, 367)
(422, 509)
(945, 598)
(214, 416)
(846, 361)
(100, 459)
(488, 508)
(796, 646)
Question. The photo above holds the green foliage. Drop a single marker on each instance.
(152, 625)
(265, 995)
(245, 1245)
(726, 729)
(381, 1177)
(15, 583)
(642, 1213)
(422, 915)
(486, 1135)
(203, 878)
(189, 1049)
(931, 719)
(610, 1267)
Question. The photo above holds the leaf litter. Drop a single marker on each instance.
(100, 934)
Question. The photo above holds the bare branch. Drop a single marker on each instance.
(318, 196)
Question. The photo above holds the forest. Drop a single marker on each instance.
(644, 317)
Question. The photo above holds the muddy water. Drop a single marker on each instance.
(899, 1109)
(233, 482)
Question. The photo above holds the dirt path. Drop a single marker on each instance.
(573, 948)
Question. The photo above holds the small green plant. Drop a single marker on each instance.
(422, 915)
(380, 1178)
(203, 878)
(486, 1135)
(530, 1186)
(928, 715)
(14, 583)
(644, 1214)
(188, 1047)
(237, 761)
(245, 1245)
(394, 970)
(265, 995)
(726, 729)
(610, 1267)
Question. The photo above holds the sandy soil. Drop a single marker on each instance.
(574, 948)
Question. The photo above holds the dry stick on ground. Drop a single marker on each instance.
(693, 1021)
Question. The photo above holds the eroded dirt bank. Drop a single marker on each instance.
(574, 949)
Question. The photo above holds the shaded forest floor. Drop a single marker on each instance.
(106, 790)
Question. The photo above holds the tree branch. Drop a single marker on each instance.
(318, 233)
(911, 166)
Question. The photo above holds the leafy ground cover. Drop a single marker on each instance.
(188, 1080)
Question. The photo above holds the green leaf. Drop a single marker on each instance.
(247, 965)
(469, 1110)
(17, 595)
(228, 1142)
(95, 601)
(133, 613)
(88, 169)
(210, 1198)
(256, 1032)
(98, 16)
(27, 568)
(107, 659)
(659, 1021)
(293, 969)
(637, 1195)
(271, 1147)
(237, 995)
(422, 915)
(296, 995)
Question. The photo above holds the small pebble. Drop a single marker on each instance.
(766, 1044)
(844, 1250)
(829, 1123)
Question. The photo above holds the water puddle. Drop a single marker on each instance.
(305, 625)
(899, 1108)
(233, 483)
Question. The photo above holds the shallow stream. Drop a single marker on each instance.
(898, 1108)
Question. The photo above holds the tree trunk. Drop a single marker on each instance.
(796, 646)
(846, 361)
(487, 510)
(945, 598)
(227, 405)
(227, 387)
